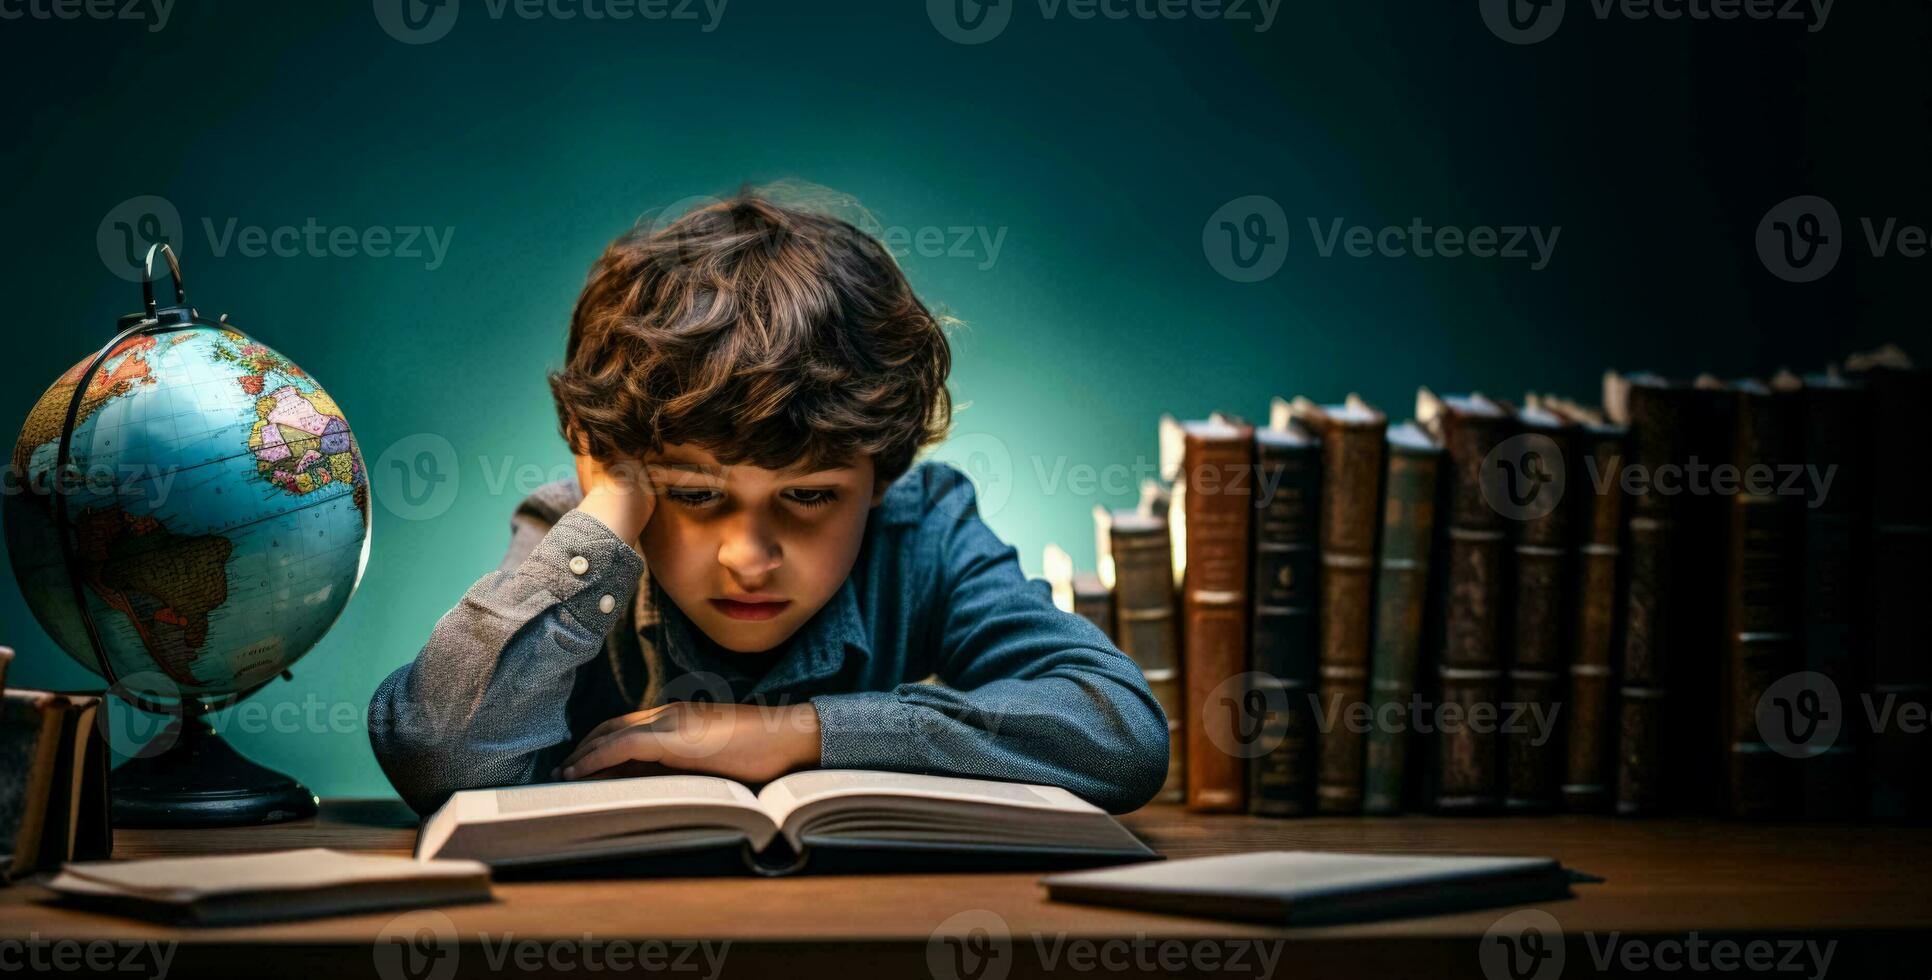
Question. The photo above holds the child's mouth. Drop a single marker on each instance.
(750, 610)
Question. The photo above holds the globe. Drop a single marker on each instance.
(217, 513)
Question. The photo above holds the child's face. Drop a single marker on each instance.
(724, 533)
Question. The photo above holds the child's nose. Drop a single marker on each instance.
(749, 550)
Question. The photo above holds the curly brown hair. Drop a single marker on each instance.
(767, 334)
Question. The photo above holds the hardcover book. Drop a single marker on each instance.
(1595, 605)
(1466, 775)
(1352, 436)
(820, 820)
(1409, 499)
(1287, 652)
(1209, 523)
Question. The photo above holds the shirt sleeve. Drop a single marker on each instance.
(487, 693)
(1032, 694)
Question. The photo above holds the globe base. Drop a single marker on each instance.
(199, 780)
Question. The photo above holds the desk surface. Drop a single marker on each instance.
(1861, 885)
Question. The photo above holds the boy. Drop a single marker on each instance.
(744, 391)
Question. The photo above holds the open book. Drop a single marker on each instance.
(834, 819)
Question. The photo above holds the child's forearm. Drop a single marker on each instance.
(487, 694)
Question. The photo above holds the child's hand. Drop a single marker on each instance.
(746, 742)
(619, 494)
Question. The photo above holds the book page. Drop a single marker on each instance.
(601, 794)
(783, 796)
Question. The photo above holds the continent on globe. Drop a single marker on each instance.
(301, 442)
(126, 367)
(164, 583)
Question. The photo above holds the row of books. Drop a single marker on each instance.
(53, 779)
(1535, 606)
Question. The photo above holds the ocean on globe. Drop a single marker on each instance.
(218, 508)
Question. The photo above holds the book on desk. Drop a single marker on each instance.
(827, 820)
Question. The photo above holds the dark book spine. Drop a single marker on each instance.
(1540, 651)
(1696, 760)
(1352, 482)
(1286, 650)
(1401, 595)
(1901, 672)
(1667, 694)
(1761, 603)
(1594, 604)
(1469, 675)
(1217, 508)
(1094, 603)
(1145, 621)
(1837, 591)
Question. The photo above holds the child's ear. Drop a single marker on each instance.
(879, 492)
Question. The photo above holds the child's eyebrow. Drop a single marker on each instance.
(699, 468)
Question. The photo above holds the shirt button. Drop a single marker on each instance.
(579, 564)
(607, 603)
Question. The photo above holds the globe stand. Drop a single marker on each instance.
(201, 781)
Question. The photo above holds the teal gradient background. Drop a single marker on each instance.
(1092, 151)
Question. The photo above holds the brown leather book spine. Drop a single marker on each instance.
(1217, 470)
(1901, 673)
(1094, 603)
(1286, 648)
(1144, 611)
(1540, 651)
(1761, 600)
(1467, 773)
(1837, 588)
(1352, 455)
(1659, 416)
(1596, 480)
(1401, 596)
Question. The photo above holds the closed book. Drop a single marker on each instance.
(1084, 594)
(1668, 692)
(1286, 650)
(1654, 410)
(1901, 671)
(1761, 602)
(1836, 594)
(1352, 435)
(1698, 759)
(1534, 481)
(1306, 888)
(1595, 602)
(1410, 490)
(54, 802)
(267, 886)
(1466, 774)
(1137, 556)
(1209, 523)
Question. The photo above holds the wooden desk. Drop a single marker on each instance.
(1862, 886)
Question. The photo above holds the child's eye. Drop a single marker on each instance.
(693, 498)
(812, 498)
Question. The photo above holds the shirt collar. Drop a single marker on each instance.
(818, 649)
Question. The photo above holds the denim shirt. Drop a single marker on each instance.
(571, 630)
